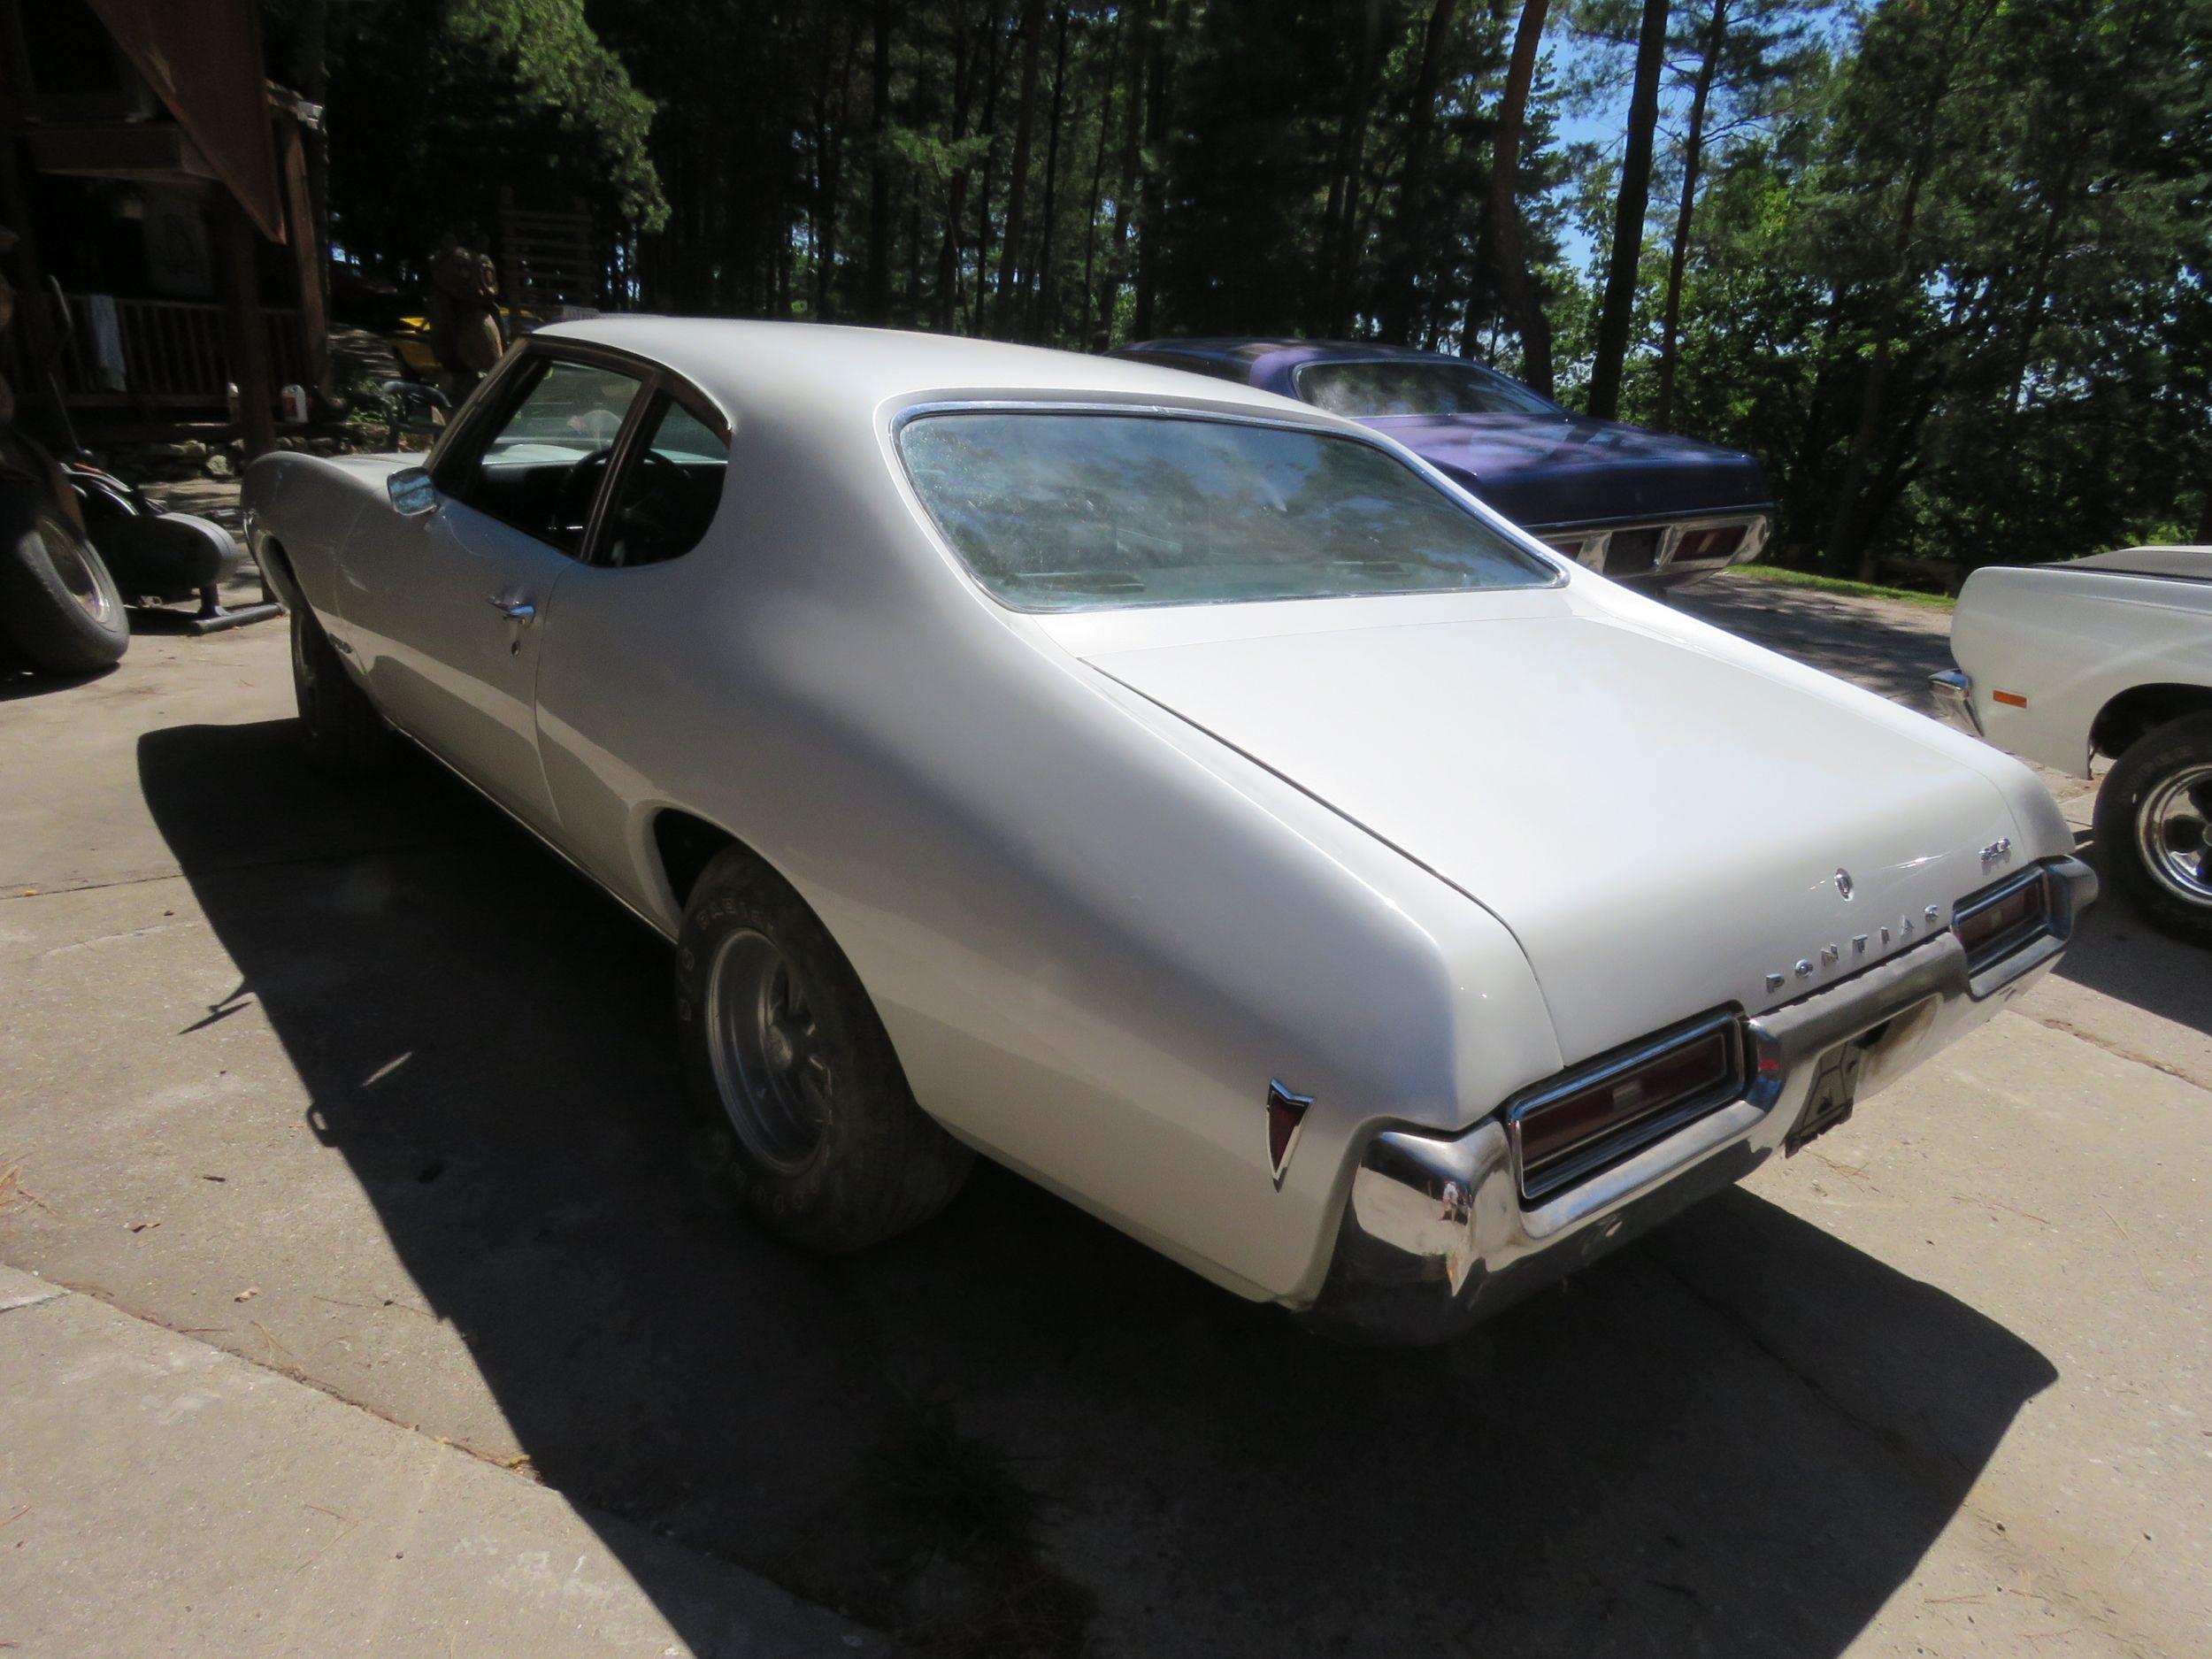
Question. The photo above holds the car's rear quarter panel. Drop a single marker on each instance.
(1094, 936)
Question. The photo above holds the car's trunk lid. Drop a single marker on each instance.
(1548, 470)
(1661, 826)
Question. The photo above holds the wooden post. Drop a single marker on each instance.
(246, 329)
(307, 257)
(38, 332)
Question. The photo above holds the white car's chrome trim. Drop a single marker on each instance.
(1436, 1233)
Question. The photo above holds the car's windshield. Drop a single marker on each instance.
(1372, 389)
(1081, 512)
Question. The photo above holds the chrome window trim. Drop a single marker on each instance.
(1321, 424)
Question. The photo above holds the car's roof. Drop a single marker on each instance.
(765, 366)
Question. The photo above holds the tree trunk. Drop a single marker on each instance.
(1344, 254)
(1410, 233)
(1007, 309)
(310, 75)
(1083, 337)
(995, 34)
(1618, 312)
(1041, 316)
(879, 171)
(957, 189)
(1517, 289)
(1132, 108)
(1148, 203)
(1678, 255)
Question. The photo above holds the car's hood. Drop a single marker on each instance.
(1659, 820)
(1542, 470)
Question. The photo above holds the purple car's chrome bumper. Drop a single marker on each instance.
(1436, 1233)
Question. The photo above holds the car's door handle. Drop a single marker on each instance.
(515, 610)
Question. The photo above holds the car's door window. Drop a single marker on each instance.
(669, 490)
(543, 467)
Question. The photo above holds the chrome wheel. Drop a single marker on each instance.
(767, 1051)
(74, 569)
(2174, 829)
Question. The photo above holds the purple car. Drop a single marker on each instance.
(1640, 506)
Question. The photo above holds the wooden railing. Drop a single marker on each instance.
(173, 356)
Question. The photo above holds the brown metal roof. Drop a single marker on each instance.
(204, 61)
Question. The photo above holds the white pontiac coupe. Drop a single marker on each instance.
(1183, 796)
(2106, 654)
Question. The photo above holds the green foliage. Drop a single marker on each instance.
(558, 65)
(1944, 268)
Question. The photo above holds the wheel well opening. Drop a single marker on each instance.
(2132, 714)
(275, 564)
(686, 845)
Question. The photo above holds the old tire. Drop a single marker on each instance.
(339, 728)
(2154, 826)
(805, 1109)
(58, 604)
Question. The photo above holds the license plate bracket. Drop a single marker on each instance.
(1834, 1092)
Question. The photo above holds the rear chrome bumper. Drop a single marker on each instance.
(1954, 695)
(1435, 1235)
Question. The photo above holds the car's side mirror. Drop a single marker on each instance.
(411, 491)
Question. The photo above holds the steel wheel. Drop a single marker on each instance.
(2174, 829)
(74, 571)
(769, 1065)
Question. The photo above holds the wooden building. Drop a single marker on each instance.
(158, 186)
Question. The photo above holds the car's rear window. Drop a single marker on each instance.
(1084, 512)
(1376, 390)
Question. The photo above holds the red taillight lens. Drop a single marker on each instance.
(1994, 926)
(1715, 542)
(1569, 1129)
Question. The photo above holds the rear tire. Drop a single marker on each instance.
(806, 1110)
(2154, 826)
(339, 728)
(58, 604)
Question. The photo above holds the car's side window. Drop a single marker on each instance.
(669, 489)
(543, 467)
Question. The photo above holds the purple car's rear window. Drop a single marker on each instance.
(1376, 389)
(1083, 511)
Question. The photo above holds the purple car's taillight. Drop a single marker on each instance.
(1716, 542)
(1601, 1112)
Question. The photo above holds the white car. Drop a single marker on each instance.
(2109, 655)
(1185, 797)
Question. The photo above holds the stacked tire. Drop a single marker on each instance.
(58, 606)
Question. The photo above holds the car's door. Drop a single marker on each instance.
(640, 621)
(450, 621)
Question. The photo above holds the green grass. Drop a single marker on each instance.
(1838, 585)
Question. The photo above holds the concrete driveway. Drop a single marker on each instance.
(1937, 1385)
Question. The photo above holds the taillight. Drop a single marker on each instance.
(1717, 542)
(1996, 922)
(1600, 1113)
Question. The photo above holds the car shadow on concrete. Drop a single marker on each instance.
(1017, 1431)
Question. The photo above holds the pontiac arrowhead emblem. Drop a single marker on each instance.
(1286, 1117)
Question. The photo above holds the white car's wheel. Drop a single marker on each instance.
(807, 1107)
(340, 728)
(2154, 824)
